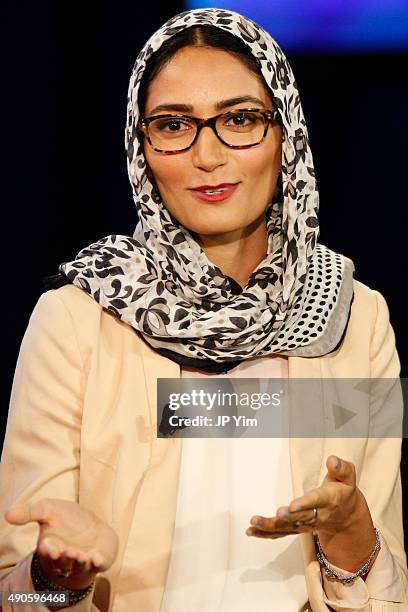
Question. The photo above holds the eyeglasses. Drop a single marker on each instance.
(238, 129)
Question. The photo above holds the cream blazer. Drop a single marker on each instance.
(82, 426)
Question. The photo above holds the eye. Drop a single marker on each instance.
(171, 125)
(241, 119)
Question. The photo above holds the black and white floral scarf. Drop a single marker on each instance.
(160, 281)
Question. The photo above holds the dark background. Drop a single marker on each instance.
(65, 78)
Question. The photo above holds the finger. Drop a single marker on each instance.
(97, 558)
(316, 498)
(49, 547)
(307, 517)
(89, 559)
(340, 469)
(20, 514)
(271, 525)
(80, 563)
(79, 556)
(73, 561)
(58, 550)
(84, 559)
(282, 512)
(258, 533)
(264, 523)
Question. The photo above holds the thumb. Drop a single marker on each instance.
(340, 469)
(20, 514)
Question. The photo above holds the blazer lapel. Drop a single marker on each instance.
(307, 459)
(306, 453)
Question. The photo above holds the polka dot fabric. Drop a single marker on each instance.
(160, 281)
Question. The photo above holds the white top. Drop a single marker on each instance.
(214, 565)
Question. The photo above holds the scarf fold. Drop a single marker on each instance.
(160, 281)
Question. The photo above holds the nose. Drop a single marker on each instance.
(208, 151)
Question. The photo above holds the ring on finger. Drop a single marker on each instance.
(63, 573)
(313, 519)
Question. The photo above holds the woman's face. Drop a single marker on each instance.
(201, 78)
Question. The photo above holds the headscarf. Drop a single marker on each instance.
(160, 281)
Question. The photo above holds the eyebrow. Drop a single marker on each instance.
(188, 108)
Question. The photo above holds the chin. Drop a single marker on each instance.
(212, 224)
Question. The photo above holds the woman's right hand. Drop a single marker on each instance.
(70, 537)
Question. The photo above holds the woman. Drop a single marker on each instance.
(222, 277)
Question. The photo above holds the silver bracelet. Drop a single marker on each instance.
(333, 574)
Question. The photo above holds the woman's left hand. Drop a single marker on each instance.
(341, 509)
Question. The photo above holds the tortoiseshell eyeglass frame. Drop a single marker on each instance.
(269, 116)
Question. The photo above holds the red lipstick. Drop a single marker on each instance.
(214, 193)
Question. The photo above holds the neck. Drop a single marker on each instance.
(237, 253)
